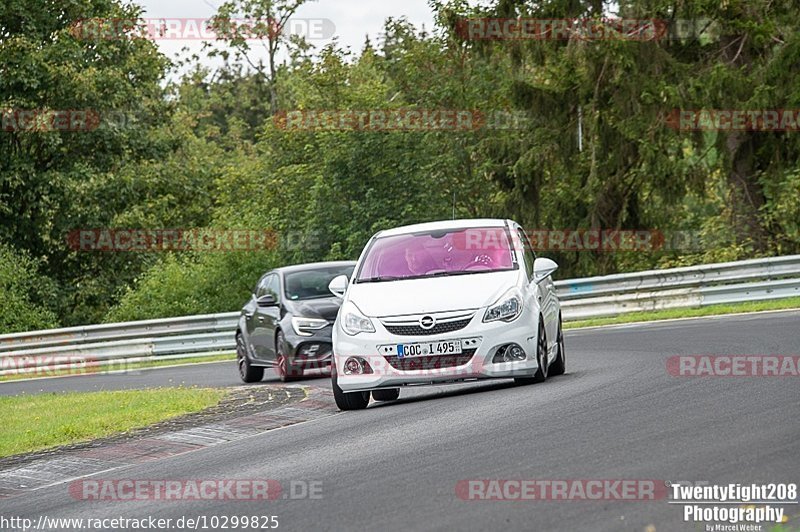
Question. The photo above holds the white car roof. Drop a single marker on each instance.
(445, 224)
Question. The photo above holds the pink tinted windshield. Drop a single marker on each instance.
(472, 250)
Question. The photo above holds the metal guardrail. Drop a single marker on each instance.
(688, 276)
(95, 346)
(591, 297)
(118, 331)
(691, 286)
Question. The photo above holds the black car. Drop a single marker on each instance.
(288, 321)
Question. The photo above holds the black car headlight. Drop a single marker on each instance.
(307, 326)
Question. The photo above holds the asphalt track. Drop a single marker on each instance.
(616, 414)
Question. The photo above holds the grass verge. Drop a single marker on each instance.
(35, 422)
(784, 527)
(712, 310)
(123, 366)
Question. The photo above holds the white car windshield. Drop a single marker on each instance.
(437, 253)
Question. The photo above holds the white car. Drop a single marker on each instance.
(444, 302)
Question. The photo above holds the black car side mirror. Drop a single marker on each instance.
(267, 300)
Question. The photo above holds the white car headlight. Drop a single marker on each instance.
(307, 326)
(507, 308)
(354, 322)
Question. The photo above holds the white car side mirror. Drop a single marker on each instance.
(542, 269)
(338, 285)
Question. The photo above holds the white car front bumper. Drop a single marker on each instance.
(480, 343)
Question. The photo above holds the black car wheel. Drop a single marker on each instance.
(286, 372)
(247, 372)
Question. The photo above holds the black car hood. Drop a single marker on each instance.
(324, 307)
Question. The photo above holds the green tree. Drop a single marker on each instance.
(50, 179)
(24, 293)
(241, 23)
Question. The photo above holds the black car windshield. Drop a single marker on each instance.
(312, 284)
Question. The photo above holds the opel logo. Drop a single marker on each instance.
(427, 322)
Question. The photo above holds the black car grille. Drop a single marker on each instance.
(439, 328)
(430, 362)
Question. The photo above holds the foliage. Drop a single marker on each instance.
(209, 150)
(23, 293)
(180, 286)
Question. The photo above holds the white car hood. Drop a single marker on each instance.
(437, 294)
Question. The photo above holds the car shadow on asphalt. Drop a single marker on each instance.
(312, 377)
(472, 388)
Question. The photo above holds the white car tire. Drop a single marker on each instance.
(541, 358)
(390, 394)
(345, 400)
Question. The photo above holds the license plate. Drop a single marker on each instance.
(447, 347)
